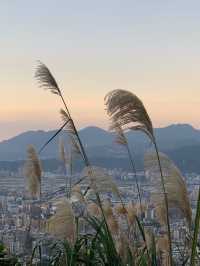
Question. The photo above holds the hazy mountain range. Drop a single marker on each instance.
(180, 141)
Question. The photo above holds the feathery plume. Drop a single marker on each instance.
(160, 210)
(107, 208)
(162, 243)
(77, 189)
(120, 209)
(174, 183)
(120, 137)
(75, 147)
(77, 194)
(149, 238)
(75, 142)
(100, 180)
(93, 209)
(131, 213)
(66, 118)
(112, 224)
(46, 79)
(62, 224)
(162, 247)
(122, 246)
(128, 111)
(110, 218)
(33, 172)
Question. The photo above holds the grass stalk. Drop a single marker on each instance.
(196, 232)
(166, 203)
(135, 174)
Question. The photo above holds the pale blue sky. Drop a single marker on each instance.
(149, 47)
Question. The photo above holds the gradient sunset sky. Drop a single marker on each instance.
(150, 47)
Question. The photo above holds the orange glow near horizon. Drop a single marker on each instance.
(150, 48)
(39, 109)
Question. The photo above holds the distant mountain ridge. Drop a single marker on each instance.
(175, 140)
(94, 139)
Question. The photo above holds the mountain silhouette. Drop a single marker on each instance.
(180, 141)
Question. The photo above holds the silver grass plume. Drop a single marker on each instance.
(131, 213)
(162, 248)
(93, 210)
(48, 82)
(121, 213)
(120, 137)
(113, 225)
(76, 144)
(46, 79)
(75, 147)
(126, 109)
(33, 172)
(174, 183)
(120, 210)
(110, 217)
(77, 195)
(62, 225)
(149, 238)
(122, 246)
(100, 181)
(107, 208)
(162, 243)
(69, 126)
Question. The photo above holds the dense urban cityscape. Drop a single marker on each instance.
(16, 207)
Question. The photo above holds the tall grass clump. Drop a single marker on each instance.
(128, 111)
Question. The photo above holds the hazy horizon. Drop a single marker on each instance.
(148, 47)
